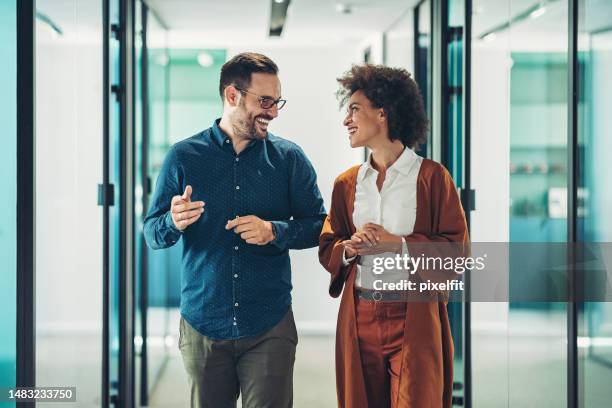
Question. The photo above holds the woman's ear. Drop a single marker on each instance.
(382, 115)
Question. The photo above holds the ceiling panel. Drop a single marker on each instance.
(247, 20)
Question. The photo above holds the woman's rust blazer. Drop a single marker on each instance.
(426, 377)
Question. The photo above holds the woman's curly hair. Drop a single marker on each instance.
(393, 90)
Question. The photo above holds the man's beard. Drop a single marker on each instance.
(245, 126)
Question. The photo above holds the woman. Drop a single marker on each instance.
(390, 352)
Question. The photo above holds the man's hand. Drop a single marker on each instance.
(252, 229)
(372, 239)
(184, 211)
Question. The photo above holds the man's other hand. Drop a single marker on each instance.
(252, 229)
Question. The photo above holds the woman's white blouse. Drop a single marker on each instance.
(394, 207)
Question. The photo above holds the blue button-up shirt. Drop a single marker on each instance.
(231, 289)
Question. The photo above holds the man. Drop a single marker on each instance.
(240, 198)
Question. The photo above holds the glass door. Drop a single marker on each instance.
(68, 163)
(453, 157)
(8, 184)
(594, 194)
(519, 170)
(422, 62)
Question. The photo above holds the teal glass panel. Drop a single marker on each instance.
(159, 271)
(595, 192)
(454, 156)
(114, 164)
(139, 180)
(68, 219)
(8, 185)
(537, 332)
(422, 67)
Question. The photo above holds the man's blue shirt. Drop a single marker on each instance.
(231, 289)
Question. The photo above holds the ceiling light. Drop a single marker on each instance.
(538, 12)
(162, 59)
(278, 1)
(343, 8)
(205, 59)
(489, 37)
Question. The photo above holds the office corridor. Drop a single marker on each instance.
(97, 93)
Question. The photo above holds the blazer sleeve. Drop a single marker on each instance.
(335, 230)
(449, 234)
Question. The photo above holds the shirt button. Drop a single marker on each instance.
(237, 187)
(235, 323)
(236, 304)
(236, 248)
(235, 275)
(237, 159)
(227, 140)
(234, 317)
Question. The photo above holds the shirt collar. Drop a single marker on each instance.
(219, 135)
(402, 165)
(222, 139)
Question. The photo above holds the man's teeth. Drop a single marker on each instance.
(263, 121)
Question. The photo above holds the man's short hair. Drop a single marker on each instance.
(237, 71)
(393, 90)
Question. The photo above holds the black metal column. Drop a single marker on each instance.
(469, 205)
(126, 206)
(26, 197)
(572, 204)
(442, 32)
(105, 202)
(146, 186)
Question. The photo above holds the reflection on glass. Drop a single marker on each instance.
(114, 222)
(159, 269)
(140, 266)
(538, 190)
(454, 154)
(595, 191)
(68, 219)
(454, 151)
(519, 170)
(8, 216)
(422, 62)
(490, 153)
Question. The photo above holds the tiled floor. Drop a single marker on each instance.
(520, 367)
(314, 380)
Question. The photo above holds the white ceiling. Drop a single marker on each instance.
(223, 23)
(206, 22)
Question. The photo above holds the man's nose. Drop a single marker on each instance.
(273, 111)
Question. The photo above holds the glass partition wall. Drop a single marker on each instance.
(153, 268)
(8, 185)
(537, 332)
(490, 161)
(528, 186)
(594, 191)
(68, 220)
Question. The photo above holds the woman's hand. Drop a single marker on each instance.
(372, 239)
(349, 251)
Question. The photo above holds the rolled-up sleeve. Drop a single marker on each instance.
(159, 229)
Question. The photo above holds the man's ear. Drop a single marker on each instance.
(231, 95)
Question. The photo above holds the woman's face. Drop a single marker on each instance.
(365, 124)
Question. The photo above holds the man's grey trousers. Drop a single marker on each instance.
(258, 367)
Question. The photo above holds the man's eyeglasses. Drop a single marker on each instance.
(264, 101)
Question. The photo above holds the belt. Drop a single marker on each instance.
(381, 295)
